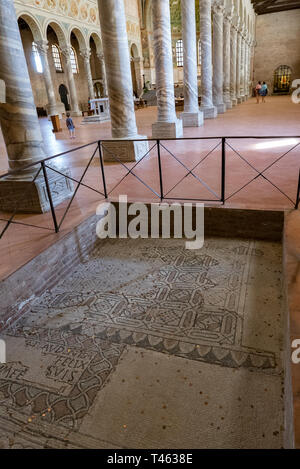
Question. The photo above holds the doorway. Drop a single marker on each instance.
(63, 92)
(282, 79)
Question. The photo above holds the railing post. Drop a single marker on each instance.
(50, 197)
(160, 171)
(298, 193)
(223, 170)
(102, 168)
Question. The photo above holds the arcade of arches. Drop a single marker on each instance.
(142, 343)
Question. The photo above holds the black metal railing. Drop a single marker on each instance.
(100, 146)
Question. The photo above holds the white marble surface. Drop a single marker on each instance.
(66, 51)
(162, 45)
(218, 76)
(18, 117)
(85, 54)
(233, 61)
(42, 47)
(103, 73)
(207, 106)
(227, 63)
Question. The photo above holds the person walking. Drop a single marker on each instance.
(70, 125)
(263, 92)
(257, 91)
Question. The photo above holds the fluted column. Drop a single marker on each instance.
(238, 67)
(167, 124)
(218, 75)
(66, 51)
(233, 64)
(22, 190)
(227, 63)
(103, 73)
(191, 117)
(119, 83)
(85, 54)
(42, 47)
(209, 110)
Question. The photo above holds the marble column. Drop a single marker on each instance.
(242, 70)
(191, 117)
(207, 107)
(20, 126)
(233, 62)
(247, 69)
(227, 63)
(138, 73)
(85, 54)
(42, 47)
(167, 125)
(238, 67)
(119, 84)
(103, 73)
(66, 51)
(218, 75)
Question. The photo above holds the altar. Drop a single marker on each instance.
(100, 106)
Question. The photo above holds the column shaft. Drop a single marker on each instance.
(103, 73)
(207, 106)
(66, 51)
(18, 117)
(242, 70)
(43, 51)
(238, 67)
(191, 117)
(167, 124)
(227, 56)
(87, 67)
(233, 64)
(218, 58)
(119, 83)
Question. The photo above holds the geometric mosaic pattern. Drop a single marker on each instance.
(152, 294)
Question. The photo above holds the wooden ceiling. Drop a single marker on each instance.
(272, 6)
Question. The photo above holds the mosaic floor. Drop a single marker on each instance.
(149, 345)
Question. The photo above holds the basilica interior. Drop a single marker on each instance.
(123, 341)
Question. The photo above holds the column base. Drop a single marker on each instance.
(221, 108)
(75, 113)
(20, 193)
(209, 112)
(124, 150)
(192, 119)
(239, 99)
(228, 104)
(163, 130)
(234, 101)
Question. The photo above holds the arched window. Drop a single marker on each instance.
(56, 58)
(74, 62)
(199, 52)
(179, 53)
(37, 58)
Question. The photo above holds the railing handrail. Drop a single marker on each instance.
(49, 158)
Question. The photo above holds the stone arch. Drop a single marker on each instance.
(97, 42)
(57, 28)
(80, 38)
(33, 25)
(134, 50)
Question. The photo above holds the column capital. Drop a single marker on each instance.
(218, 7)
(100, 56)
(42, 46)
(85, 53)
(66, 51)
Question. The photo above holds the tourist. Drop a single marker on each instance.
(263, 92)
(70, 125)
(257, 91)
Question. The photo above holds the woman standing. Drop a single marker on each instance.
(264, 92)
